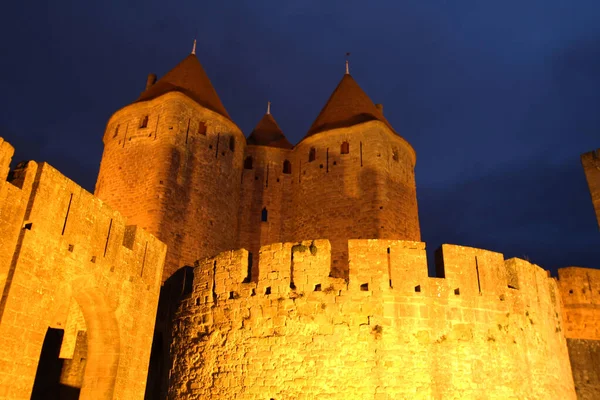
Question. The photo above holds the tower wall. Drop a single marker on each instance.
(490, 327)
(580, 291)
(177, 177)
(591, 166)
(264, 186)
(368, 193)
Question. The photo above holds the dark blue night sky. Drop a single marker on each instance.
(498, 98)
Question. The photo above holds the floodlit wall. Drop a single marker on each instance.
(74, 264)
(489, 327)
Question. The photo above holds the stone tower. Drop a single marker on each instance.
(172, 163)
(355, 177)
(267, 185)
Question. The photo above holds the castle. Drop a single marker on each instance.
(269, 271)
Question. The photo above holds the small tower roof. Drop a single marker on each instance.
(268, 133)
(189, 78)
(348, 105)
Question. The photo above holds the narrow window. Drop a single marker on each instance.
(201, 128)
(312, 154)
(345, 148)
(395, 154)
(263, 215)
(248, 163)
(144, 122)
(231, 143)
(287, 167)
(116, 131)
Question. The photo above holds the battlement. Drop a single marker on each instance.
(70, 262)
(81, 226)
(294, 318)
(377, 267)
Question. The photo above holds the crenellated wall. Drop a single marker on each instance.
(389, 331)
(178, 177)
(74, 264)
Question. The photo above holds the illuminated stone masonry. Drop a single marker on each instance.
(71, 266)
(491, 328)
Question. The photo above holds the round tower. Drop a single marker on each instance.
(355, 177)
(266, 188)
(172, 163)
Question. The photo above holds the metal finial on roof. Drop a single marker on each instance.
(194, 47)
(347, 64)
(268, 107)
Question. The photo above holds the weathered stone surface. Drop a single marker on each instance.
(63, 265)
(388, 332)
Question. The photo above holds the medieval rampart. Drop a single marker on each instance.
(74, 265)
(488, 326)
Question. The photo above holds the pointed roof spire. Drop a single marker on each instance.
(268, 133)
(194, 47)
(348, 105)
(347, 64)
(189, 78)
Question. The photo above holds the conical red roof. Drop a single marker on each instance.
(268, 133)
(348, 105)
(189, 78)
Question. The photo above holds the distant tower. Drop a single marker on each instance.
(172, 163)
(355, 177)
(591, 166)
(266, 186)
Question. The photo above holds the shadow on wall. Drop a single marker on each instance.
(174, 289)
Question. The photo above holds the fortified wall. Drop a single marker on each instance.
(69, 264)
(389, 331)
(580, 289)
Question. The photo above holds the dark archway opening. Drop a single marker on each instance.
(155, 374)
(47, 377)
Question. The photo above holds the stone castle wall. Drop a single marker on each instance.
(71, 262)
(178, 177)
(368, 192)
(580, 290)
(591, 166)
(490, 328)
(264, 186)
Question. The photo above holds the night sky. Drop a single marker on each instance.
(498, 98)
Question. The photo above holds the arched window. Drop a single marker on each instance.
(263, 214)
(248, 163)
(287, 167)
(231, 143)
(312, 154)
(345, 148)
(144, 122)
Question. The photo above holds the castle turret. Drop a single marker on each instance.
(266, 187)
(355, 177)
(172, 163)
